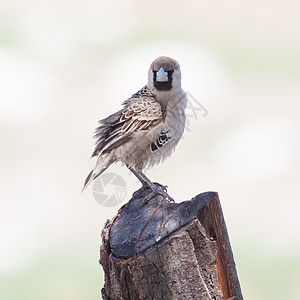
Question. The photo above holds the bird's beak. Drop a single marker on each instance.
(162, 75)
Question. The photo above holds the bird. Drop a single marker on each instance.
(147, 129)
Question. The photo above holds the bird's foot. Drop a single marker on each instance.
(164, 187)
(159, 189)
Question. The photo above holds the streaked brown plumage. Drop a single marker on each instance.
(146, 130)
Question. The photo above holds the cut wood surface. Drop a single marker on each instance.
(164, 250)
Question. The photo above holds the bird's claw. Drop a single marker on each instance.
(164, 187)
(160, 190)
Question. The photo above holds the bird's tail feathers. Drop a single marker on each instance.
(102, 163)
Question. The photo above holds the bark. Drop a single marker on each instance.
(164, 250)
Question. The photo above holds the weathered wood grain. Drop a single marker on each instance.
(165, 250)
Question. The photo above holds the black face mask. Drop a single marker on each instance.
(163, 85)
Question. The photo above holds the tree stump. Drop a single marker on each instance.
(164, 250)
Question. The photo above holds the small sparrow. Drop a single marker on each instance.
(147, 129)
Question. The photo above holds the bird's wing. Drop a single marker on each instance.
(141, 112)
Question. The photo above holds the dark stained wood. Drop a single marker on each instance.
(164, 250)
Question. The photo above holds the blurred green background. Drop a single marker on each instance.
(66, 64)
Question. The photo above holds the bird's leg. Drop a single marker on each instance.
(140, 176)
(147, 182)
(155, 188)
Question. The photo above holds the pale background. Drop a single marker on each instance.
(66, 64)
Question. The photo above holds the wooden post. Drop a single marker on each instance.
(164, 250)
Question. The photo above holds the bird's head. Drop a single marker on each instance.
(164, 74)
